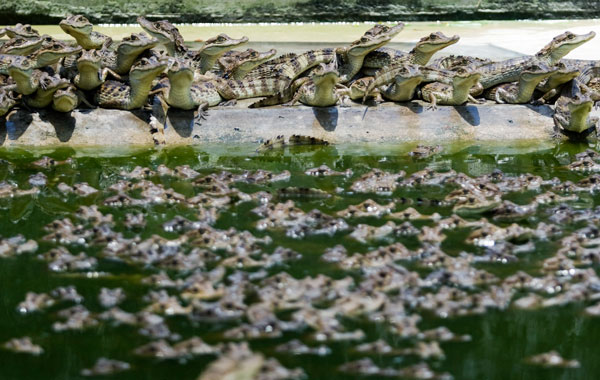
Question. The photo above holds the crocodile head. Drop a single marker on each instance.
(359, 87)
(563, 73)
(165, 32)
(325, 74)
(580, 104)
(537, 72)
(465, 78)
(147, 69)
(66, 99)
(51, 83)
(89, 59)
(20, 30)
(6, 102)
(22, 71)
(384, 30)
(180, 73)
(245, 61)
(52, 51)
(561, 45)
(435, 42)
(21, 46)
(220, 44)
(373, 38)
(135, 44)
(76, 26)
(2, 32)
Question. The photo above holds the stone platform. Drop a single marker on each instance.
(386, 123)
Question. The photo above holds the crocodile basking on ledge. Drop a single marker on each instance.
(454, 94)
(508, 70)
(113, 94)
(319, 90)
(520, 92)
(80, 28)
(91, 74)
(425, 48)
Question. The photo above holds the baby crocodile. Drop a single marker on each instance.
(21, 46)
(91, 74)
(573, 107)
(80, 28)
(419, 55)
(7, 101)
(453, 94)
(520, 92)
(167, 35)
(126, 52)
(66, 99)
(48, 85)
(398, 83)
(551, 87)
(207, 56)
(114, 94)
(21, 30)
(509, 70)
(236, 64)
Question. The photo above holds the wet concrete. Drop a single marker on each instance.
(386, 123)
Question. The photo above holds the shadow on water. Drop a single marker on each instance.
(470, 114)
(63, 123)
(327, 117)
(17, 124)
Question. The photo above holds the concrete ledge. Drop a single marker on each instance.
(386, 123)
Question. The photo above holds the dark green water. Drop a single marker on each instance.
(501, 339)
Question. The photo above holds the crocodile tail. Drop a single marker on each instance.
(284, 95)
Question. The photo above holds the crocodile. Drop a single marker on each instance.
(453, 61)
(185, 92)
(166, 34)
(7, 101)
(236, 65)
(398, 81)
(397, 84)
(349, 59)
(508, 70)
(207, 56)
(126, 52)
(21, 30)
(52, 52)
(551, 87)
(91, 74)
(80, 28)
(48, 85)
(572, 110)
(22, 70)
(520, 92)
(453, 94)
(2, 32)
(319, 90)
(359, 87)
(425, 48)
(67, 99)
(21, 46)
(113, 94)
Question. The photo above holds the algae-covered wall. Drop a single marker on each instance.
(121, 11)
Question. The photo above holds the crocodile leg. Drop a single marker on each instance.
(433, 101)
(501, 94)
(201, 113)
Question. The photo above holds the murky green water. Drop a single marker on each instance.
(500, 338)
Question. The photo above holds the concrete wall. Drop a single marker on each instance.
(120, 11)
(387, 123)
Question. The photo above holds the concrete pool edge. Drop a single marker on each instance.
(386, 123)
